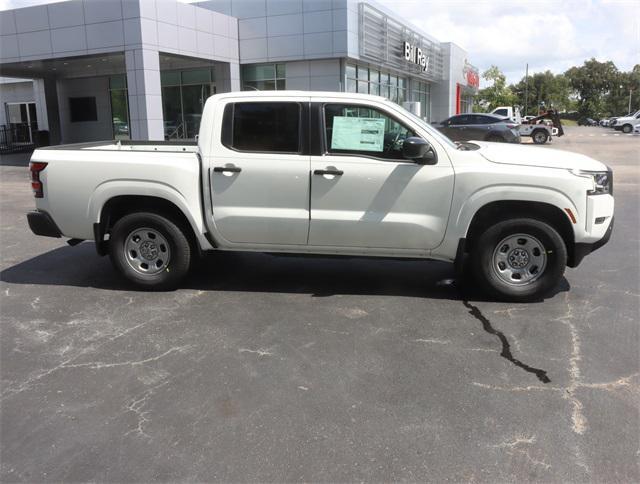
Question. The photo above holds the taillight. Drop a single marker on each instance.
(36, 167)
(512, 126)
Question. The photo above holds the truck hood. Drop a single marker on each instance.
(512, 154)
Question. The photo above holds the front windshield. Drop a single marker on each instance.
(432, 131)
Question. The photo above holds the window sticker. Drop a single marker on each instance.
(359, 134)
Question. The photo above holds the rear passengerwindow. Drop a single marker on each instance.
(262, 127)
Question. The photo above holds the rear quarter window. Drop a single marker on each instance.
(263, 127)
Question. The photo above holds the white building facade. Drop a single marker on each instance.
(142, 69)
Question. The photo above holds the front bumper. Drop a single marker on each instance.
(41, 223)
(583, 249)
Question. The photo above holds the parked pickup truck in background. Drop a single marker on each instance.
(326, 173)
(626, 123)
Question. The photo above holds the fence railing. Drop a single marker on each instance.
(15, 138)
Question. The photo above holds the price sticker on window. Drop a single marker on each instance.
(358, 134)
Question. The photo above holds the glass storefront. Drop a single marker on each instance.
(421, 92)
(372, 81)
(119, 107)
(264, 77)
(466, 104)
(184, 94)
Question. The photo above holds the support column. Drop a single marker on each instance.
(50, 88)
(227, 77)
(145, 94)
(41, 104)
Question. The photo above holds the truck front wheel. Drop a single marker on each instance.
(540, 137)
(150, 250)
(519, 259)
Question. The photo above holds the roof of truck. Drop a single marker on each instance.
(322, 94)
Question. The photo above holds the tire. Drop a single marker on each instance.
(539, 136)
(627, 128)
(150, 250)
(494, 138)
(540, 260)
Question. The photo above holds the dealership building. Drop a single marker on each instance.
(85, 70)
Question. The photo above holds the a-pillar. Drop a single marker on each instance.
(145, 94)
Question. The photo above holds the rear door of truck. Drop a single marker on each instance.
(259, 171)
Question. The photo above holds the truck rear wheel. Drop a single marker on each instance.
(519, 259)
(540, 137)
(150, 250)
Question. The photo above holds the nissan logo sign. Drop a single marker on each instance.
(414, 55)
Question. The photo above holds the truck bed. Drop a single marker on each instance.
(131, 145)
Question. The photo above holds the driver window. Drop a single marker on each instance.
(364, 131)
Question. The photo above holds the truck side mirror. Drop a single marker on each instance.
(419, 151)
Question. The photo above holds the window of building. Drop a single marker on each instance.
(262, 127)
(119, 107)
(371, 81)
(363, 131)
(421, 93)
(83, 109)
(184, 94)
(466, 104)
(264, 77)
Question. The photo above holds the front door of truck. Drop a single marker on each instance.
(364, 193)
(259, 176)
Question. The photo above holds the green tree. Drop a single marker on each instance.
(544, 90)
(616, 101)
(593, 83)
(496, 94)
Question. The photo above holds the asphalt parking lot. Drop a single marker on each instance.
(279, 369)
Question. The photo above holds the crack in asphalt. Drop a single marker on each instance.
(506, 347)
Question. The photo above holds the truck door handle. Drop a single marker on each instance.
(328, 172)
(230, 169)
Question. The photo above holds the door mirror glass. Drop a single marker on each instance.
(419, 151)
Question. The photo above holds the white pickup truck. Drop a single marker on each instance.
(326, 173)
(626, 123)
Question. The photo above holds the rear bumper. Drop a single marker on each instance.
(41, 223)
(582, 249)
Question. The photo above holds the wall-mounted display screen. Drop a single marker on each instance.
(83, 109)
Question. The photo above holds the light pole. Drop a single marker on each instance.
(526, 90)
(630, 91)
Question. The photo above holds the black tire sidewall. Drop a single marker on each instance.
(178, 243)
(482, 259)
(546, 137)
(627, 128)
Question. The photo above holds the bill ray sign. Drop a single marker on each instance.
(414, 55)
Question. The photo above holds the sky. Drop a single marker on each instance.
(547, 34)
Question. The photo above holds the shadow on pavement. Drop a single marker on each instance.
(15, 159)
(255, 272)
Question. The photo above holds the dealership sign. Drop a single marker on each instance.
(471, 75)
(414, 55)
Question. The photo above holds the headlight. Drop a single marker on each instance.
(602, 181)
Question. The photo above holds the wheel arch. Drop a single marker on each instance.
(494, 135)
(118, 206)
(498, 211)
